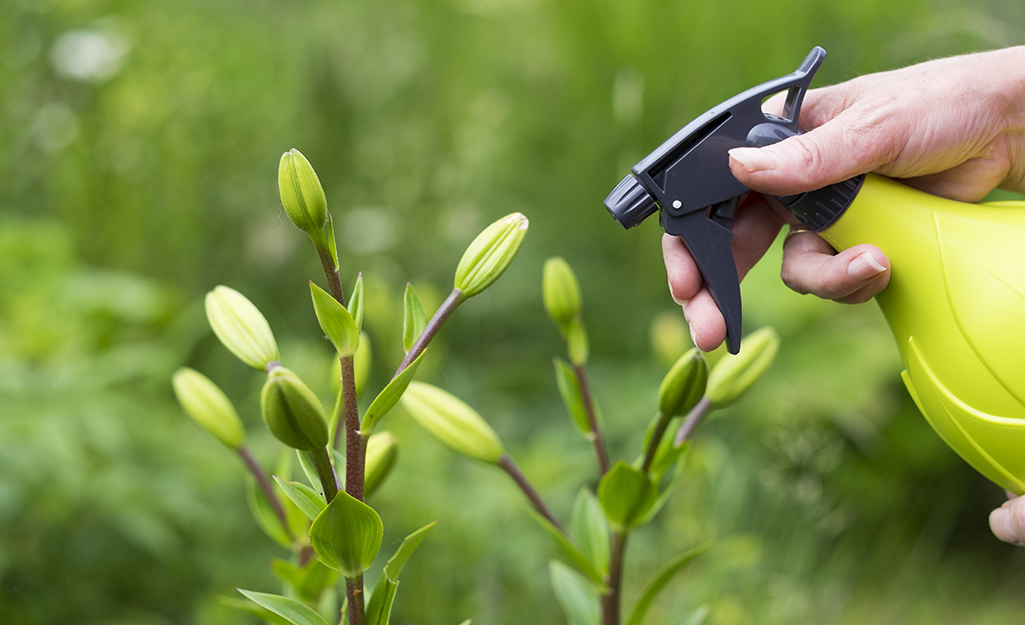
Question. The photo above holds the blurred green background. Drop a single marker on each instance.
(138, 150)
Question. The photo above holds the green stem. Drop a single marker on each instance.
(597, 439)
(693, 420)
(509, 466)
(656, 438)
(611, 599)
(454, 299)
(261, 478)
(325, 473)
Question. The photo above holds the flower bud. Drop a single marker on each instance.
(241, 327)
(561, 291)
(452, 422)
(208, 406)
(382, 450)
(576, 342)
(292, 412)
(302, 196)
(490, 254)
(684, 385)
(733, 375)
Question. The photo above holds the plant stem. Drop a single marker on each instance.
(326, 473)
(656, 438)
(354, 593)
(597, 439)
(509, 466)
(454, 299)
(693, 420)
(610, 600)
(261, 478)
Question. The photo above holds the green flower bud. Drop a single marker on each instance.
(576, 342)
(208, 406)
(302, 196)
(561, 291)
(241, 327)
(684, 385)
(733, 375)
(292, 412)
(452, 422)
(382, 450)
(490, 254)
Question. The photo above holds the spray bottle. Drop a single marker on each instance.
(956, 294)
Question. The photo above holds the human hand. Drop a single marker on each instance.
(1008, 521)
(952, 127)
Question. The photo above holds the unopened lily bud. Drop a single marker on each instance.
(561, 291)
(490, 254)
(577, 344)
(684, 385)
(208, 406)
(292, 412)
(382, 450)
(733, 375)
(302, 196)
(452, 422)
(241, 327)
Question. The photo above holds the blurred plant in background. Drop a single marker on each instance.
(133, 145)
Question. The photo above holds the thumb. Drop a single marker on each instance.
(830, 153)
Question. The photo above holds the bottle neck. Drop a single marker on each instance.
(821, 208)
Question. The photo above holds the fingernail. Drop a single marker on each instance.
(755, 159)
(1000, 523)
(864, 267)
(693, 337)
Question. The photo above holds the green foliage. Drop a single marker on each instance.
(380, 605)
(347, 535)
(336, 322)
(413, 318)
(578, 599)
(289, 609)
(305, 498)
(390, 396)
(657, 583)
(626, 496)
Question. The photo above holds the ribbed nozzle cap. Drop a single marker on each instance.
(629, 203)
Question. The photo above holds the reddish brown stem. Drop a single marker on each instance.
(509, 466)
(454, 299)
(694, 419)
(611, 599)
(597, 439)
(261, 478)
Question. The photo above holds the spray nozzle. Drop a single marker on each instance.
(688, 181)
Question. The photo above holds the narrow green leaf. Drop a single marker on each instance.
(332, 246)
(285, 571)
(249, 607)
(308, 500)
(589, 528)
(405, 550)
(390, 396)
(663, 496)
(467, 621)
(572, 397)
(696, 617)
(347, 535)
(263, 512)
(289, 609)
(356, 302)
(578, 598)
(568, 549)
(335, 321)
(626, 495)
(379, 608)
(414, 319)
(659, 581)
(310, 469)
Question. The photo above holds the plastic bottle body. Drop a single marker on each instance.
(956, 307)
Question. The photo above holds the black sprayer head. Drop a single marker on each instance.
(688, 181)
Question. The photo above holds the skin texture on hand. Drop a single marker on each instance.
(1008, 521)
(952, 127)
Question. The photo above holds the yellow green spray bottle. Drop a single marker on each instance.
(956, 298)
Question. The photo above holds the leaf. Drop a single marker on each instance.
(332, 245)
(310, 469)
(664, 495)
(356, 302)
(568, 549)
(578, 598)
(249, 608)
(313, 579)
(572, 397)
(590, 530)
(308, 500)
(264, 514)
(697, 617)
(626, 495)
(379, 608)
(390, 396)
(285, 571)
(395, 564)
(289, 609)
(659, 581)
(347, 535)
(414, 320)
(335, 321)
